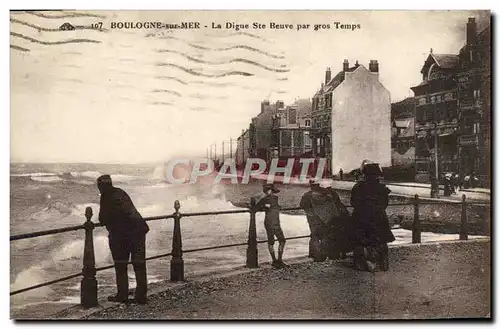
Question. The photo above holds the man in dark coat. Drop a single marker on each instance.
(269, 203)
(370, 199)
(316, 226)
(341, 229)
(127, 238)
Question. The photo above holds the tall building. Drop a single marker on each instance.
(291, 130)
(351, 118)
(452, 110)
(436, 114)
(474, 103)
(257, 140)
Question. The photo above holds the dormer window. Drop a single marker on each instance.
(308, 123)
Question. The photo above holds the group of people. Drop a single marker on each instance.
(334, 231)
(452, 182)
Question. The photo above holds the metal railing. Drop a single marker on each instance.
(88, 287)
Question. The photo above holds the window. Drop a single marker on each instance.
(448, 96)
(292, 116)
(286, 138)
(308, 123)
(421, 101)
(477, 94)
(433, 99)
(307, 139)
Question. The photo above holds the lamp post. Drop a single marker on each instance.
(435, 186)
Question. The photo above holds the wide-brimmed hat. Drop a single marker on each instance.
(271, 187)
(372, 170)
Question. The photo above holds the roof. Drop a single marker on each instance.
(336, 81)
(444, 61)
(401, 123)
(407, 125)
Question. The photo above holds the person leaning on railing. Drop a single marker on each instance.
(127, 238)
(269, 203)
(369, 199)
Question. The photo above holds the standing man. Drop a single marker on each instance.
(127, 238)
(369, 199)
(269, 203)
(316, 226)
(341, 174)
(306, 204)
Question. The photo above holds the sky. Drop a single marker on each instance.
(147, 95)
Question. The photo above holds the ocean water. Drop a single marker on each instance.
(52, 196)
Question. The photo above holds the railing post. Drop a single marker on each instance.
(416, 233)
(463, 222)
(177, 263)
(88, 286)
(252, 252)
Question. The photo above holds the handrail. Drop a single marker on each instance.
(107, 267)
(46, 232)
(89, 283)
(193, 214)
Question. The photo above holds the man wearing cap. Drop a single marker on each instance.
(269, 203)
(127, 238)
(316, 225)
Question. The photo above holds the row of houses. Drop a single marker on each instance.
(350, 118)
(360, 106)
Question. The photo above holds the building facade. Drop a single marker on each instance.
(452, 110)
(403, 132)
(258, 139)
(291, 131)
(242, 147)
(351, 118)
(474, 103)
(436, 119)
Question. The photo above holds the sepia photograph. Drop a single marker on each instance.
(250, 164)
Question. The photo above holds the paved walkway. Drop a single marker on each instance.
(406, 189)
(445, 280)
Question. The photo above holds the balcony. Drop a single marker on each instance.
(468, 140)
(469, 104)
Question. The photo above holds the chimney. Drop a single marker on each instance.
(471, 31)
(346, 65)
(357, 64)
(328, 75)
(373, 66)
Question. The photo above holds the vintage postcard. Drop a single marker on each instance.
(250, 164)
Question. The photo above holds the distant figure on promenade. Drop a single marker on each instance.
(127, 238)
(448, 184)
(269, 203)
(341, 174)
(372, 231)
(456, 183)
(316, 226)
(434, 187)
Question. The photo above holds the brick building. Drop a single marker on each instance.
(452, 110)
